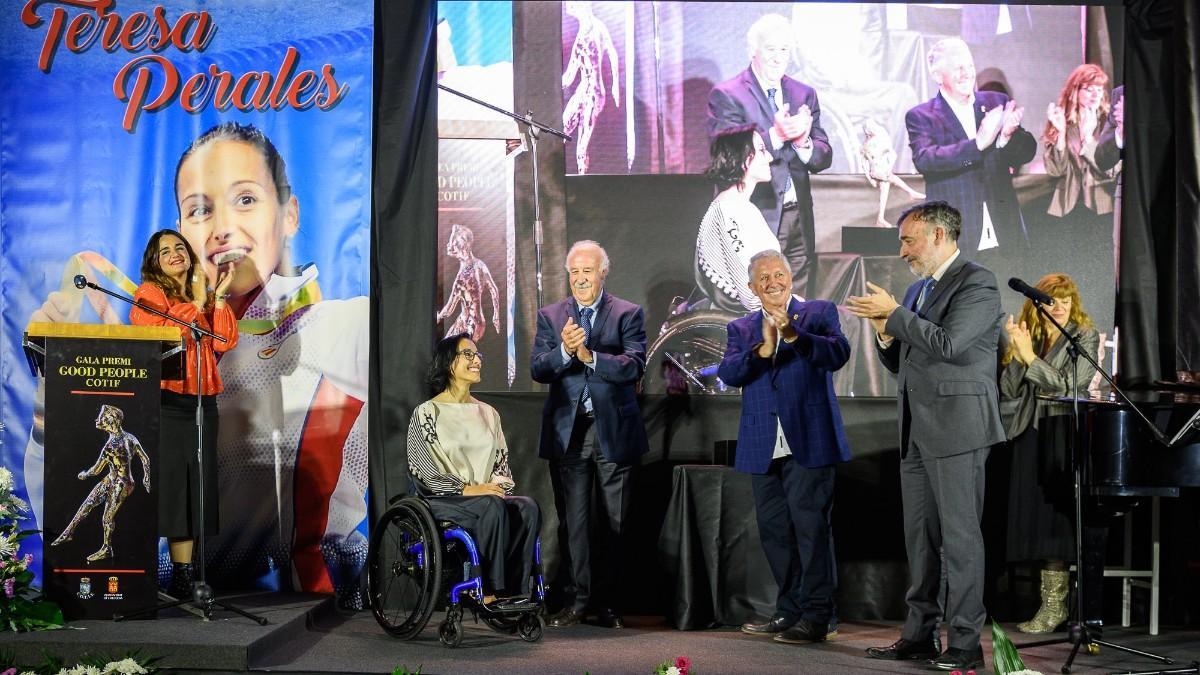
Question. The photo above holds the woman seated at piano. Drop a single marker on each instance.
(1041, 507)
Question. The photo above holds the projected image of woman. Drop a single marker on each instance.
(293, 451)
(1082, 203)
(1040, 525)
(733, 229)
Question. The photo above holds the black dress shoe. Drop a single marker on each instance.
(566, 617)
(804, 631)
(958, 659)
(775, 626)
(904, 650)
(609, 619)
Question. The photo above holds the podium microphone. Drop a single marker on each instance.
(1020, 287)
(80, 281)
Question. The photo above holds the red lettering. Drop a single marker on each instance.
(194, 93)
(201, 33)
(82, 32)
(304, 80)
(239, 91)
(136, 23)
(261, 99)
(136, 100)
(160, 37)
(285, 74)
(223, 82)
(334, 92)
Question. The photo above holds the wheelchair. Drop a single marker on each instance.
(417, 564)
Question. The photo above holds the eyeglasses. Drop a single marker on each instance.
(1092, 88)
(470, 354)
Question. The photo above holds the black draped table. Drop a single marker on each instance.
(709, 544)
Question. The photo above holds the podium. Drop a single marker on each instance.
(100, 522)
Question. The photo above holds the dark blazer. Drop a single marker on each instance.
(618, 341)
(957, 172)
(946, 358)
(1107, 152)
(741, 101)
(795, 388)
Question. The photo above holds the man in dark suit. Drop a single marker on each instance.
(942, 342)
(967, 144)
(788, 115)
(790, 439)
(591, 349)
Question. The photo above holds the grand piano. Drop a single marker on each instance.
(1126, 459)
(1125, 462)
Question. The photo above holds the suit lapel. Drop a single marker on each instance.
(946, 114)
(751, 84)
(944, 283)
(601, 317)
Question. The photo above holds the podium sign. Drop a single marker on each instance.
(100, 539)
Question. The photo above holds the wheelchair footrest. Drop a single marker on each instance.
(513, 606)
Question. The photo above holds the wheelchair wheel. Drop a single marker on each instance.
(404, 568)
(450, 632)
(687, 354)
(530, 627)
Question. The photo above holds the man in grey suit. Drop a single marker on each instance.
(941, 341)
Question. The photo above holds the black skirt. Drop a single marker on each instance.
(179, 469)
(1041, 506)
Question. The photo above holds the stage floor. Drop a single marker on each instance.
(307, 635)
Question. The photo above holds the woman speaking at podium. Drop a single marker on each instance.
(174, 282)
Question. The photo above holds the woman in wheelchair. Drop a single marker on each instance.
(459, 460)
(733, 229)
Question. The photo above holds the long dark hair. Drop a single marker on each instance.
(729, 152)
(442, 362)
(153, 273)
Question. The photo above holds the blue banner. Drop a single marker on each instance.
(99, 102)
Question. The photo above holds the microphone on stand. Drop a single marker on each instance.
(1030, 292)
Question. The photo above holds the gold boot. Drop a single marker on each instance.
(1053, 611)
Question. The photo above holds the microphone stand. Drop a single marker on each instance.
(1079, 633)
(531, 129)
(202, 594)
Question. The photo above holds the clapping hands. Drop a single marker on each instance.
(1022, 342)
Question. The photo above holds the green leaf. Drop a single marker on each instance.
(1005, 658)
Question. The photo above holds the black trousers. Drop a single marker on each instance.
(794, 505)
(587, 478)
(505, 530)
(798, 241)
(178, 479)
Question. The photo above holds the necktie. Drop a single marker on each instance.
(774, 109)
(585, 322)
(926, 289)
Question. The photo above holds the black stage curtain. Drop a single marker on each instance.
(1156, 304)
(403, 234)
(1159, 281)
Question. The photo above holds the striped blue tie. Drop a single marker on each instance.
(775, 108)
(585, 322)
(926, 289)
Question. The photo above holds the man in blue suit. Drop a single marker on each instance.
(788, 115)
(790, 439)
(591, 349)
(967, 144)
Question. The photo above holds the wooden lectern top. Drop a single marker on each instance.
(103, 331)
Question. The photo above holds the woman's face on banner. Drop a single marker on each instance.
(229, 210)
